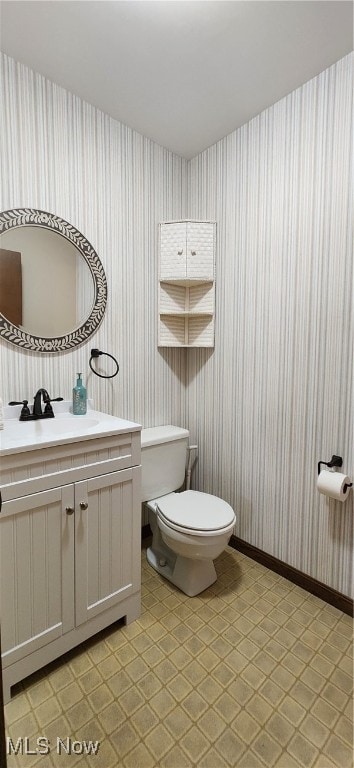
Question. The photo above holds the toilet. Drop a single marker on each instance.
(189, 529)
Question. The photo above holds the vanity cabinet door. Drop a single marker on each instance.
(107, 541)
(36, 571)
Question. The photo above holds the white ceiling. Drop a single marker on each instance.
(185, 73)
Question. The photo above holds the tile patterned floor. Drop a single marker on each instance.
(253, 673)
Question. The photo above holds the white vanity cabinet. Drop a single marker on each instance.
(70, 547)
(187, 284)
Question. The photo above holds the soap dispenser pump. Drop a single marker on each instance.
(79, 397)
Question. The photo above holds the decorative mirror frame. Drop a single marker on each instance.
(19, 217)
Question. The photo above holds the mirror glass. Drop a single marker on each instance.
(55, 292)
(52, 284)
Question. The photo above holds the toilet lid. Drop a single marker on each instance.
(196, 512)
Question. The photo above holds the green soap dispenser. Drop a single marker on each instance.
(79, 397)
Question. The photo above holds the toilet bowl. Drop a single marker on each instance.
(190, 529)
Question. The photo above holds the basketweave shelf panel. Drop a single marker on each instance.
(181, 331)
(187, 281)
(187, 284)
(186, 314)
(182, 298)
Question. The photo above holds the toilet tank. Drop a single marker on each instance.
(163, 460)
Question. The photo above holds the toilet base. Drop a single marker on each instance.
(190, 576)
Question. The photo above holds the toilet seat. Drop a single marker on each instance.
(196, 513)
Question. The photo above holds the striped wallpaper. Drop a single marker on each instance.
(62, 155)
(273, 397)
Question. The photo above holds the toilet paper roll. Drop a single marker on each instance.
(332, 484)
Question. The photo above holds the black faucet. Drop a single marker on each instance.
(37, 405)
(37, 412)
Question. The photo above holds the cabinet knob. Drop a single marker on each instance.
(194, 253)
(180, 252)
(69, 510)
(83, 504)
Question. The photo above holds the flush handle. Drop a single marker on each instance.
(83, 505)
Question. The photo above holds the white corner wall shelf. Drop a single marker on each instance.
(187, 283)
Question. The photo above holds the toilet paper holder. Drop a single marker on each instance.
(336, 461)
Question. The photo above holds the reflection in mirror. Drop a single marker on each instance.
(53, 289)
(46, 287)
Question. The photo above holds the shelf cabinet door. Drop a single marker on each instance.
(107, 541)
(173, 251)
(200, 250)
(36, 571)
(187, 250)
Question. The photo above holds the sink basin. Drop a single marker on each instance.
(56, 426)
(73, 426)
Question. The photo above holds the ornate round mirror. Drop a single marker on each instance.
(53, 289)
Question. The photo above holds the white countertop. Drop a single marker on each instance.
(18, 436)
